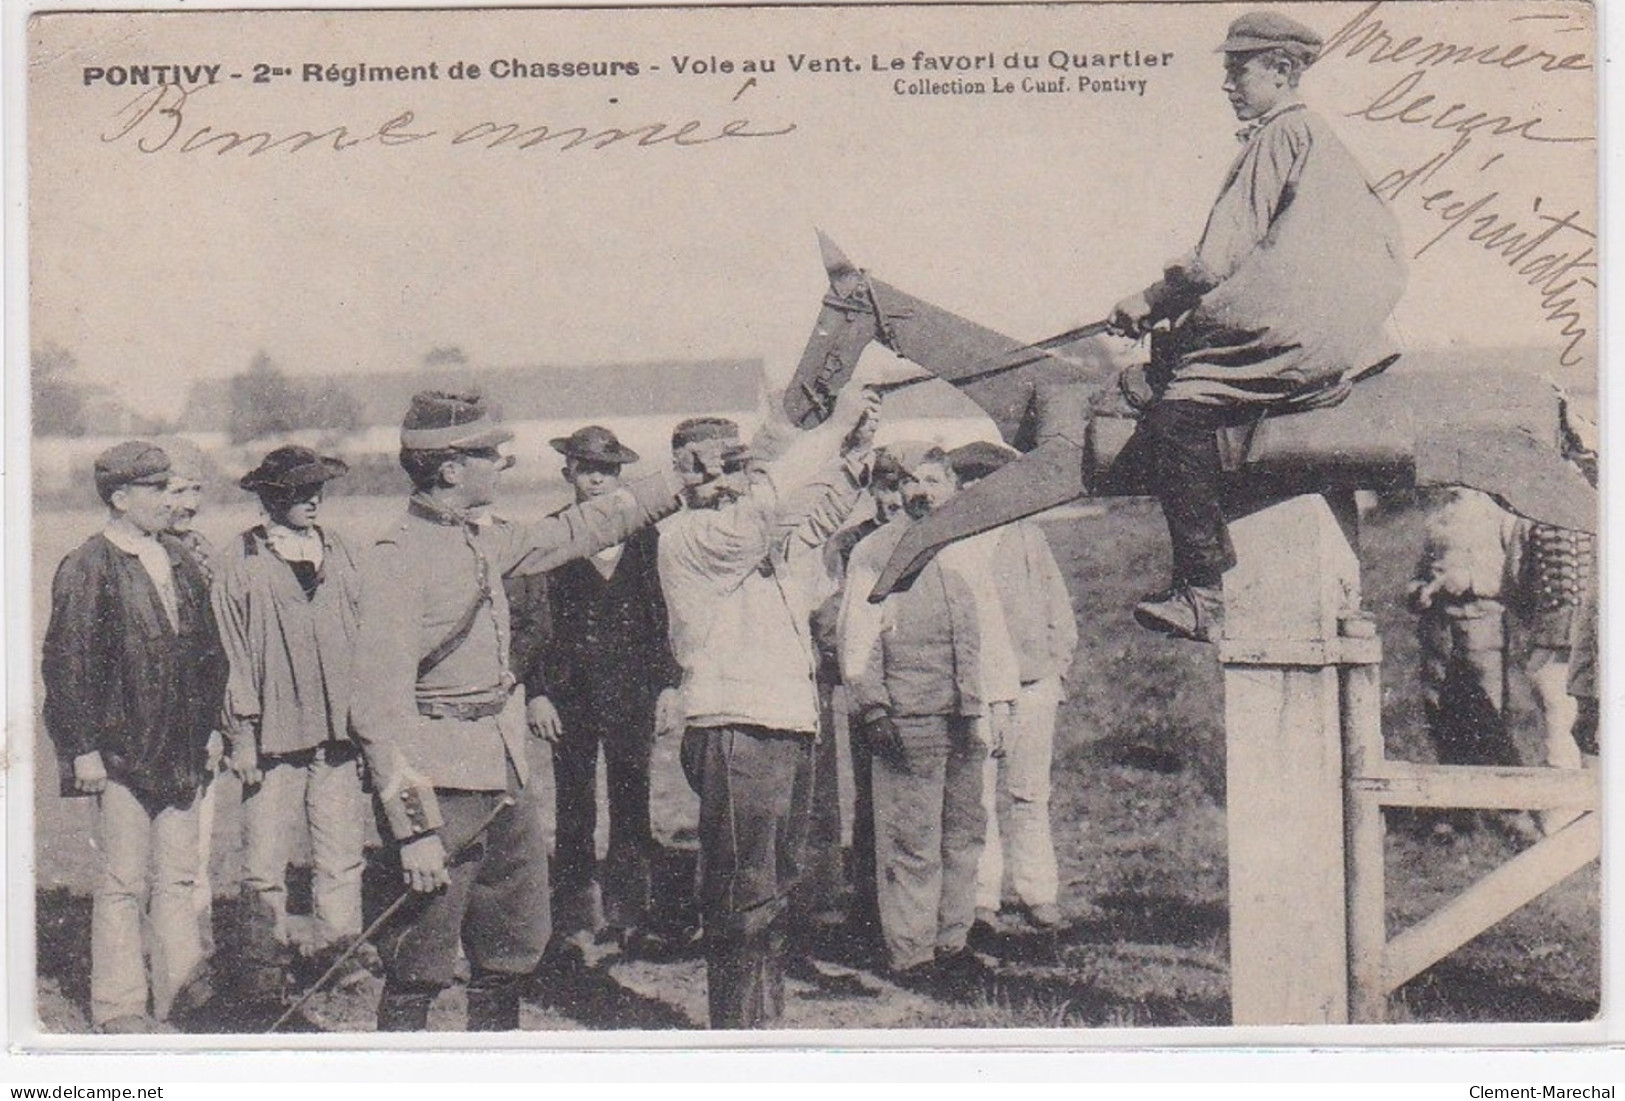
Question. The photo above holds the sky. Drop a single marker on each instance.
(1029, 211)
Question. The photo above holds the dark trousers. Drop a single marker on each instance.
(864, 917)
(625, 883)
(754, 786)
(1463, 675)
(1176, 444)
(820, 893)
(496, 908)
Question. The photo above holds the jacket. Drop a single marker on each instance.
(290, 656)
(607, 653)
(939, 647)
(1469, 557)
(1298, 268)
(121, 680)
(458, 724)
(1037, 606)
(740, 590)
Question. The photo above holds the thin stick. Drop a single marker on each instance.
(389, 911)
(1038, 351)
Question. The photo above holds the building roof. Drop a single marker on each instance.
(523, 393)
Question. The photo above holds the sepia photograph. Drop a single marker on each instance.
(747, 525)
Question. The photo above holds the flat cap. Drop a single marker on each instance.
(293, 467)
(980, 458)
(438, 421)
(186, 458)
(704, 429)
(1268, 30)
(595, 444)
(907, 456)
(134, 462)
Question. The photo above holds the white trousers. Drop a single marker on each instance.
(1025, 830)
(149, 867)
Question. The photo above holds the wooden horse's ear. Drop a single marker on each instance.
(997, 372)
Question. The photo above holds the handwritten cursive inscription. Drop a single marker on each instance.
(161, 120)
(1552, 254)
(1472, 197)
(1407, 105)
(1366, 38)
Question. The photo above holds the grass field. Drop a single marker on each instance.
(1139, 827)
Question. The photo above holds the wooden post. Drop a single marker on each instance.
(1296, 577)
(1366, 831)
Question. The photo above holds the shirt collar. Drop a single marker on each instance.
(281, 537)
(129, 543)
(1245, 134)
(283, 531)
(427, 508)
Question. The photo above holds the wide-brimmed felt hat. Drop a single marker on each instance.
(1268, 30)
(595, 444)
(441, 421)
(292, 467)
(980, 458)
(134, 462)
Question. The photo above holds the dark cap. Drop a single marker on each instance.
(132, 463)
(1268, 30)
(904, 457)
(594, 444)
(186, 458)
(703, 429)
(980, 458)
(292, 467)
(438, 421)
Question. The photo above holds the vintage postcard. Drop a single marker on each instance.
(758, 525)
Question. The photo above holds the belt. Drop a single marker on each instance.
(464, 711)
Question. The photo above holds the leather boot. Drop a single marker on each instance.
(772, 969)
(735, 981)
(493, 1002)
(405, 1008)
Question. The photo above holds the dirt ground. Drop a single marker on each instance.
(1139, 828)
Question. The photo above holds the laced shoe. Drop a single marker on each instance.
(1194, 612)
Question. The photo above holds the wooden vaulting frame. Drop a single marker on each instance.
(1308, 778)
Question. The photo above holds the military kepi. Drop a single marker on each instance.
(1268, 30)
(440, 421)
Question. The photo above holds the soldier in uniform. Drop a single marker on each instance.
(1554, 569)
(435, 711)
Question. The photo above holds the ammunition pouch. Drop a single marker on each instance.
(410, 807)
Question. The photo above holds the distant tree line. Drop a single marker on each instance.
(262, 401)
(59, 396)
(265, 402)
